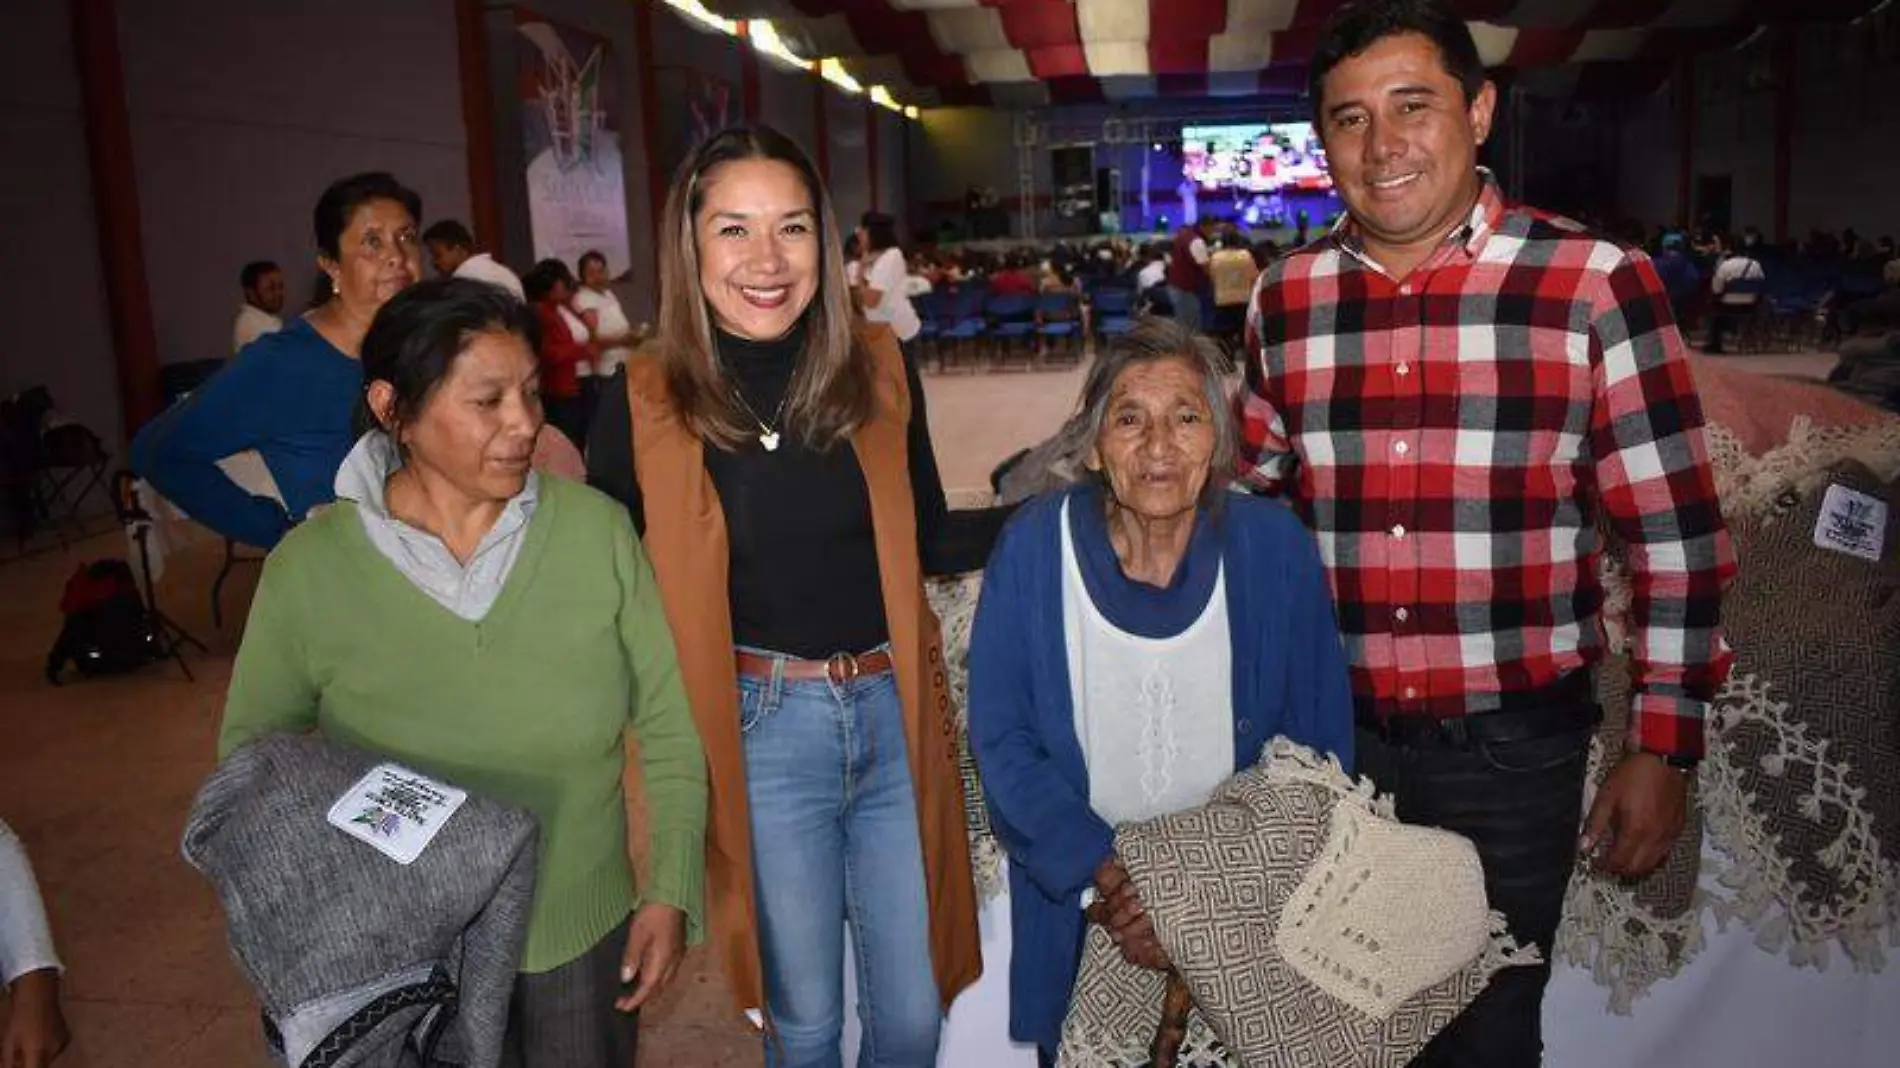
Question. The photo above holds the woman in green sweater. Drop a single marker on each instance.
(502, 631)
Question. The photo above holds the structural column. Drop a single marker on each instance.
(1685, 91)
(748, 73)
(1785, 71)
(115, 200)
(821, 127)
(478, 117)
(870, 147)
(910, 211)
(650, 123)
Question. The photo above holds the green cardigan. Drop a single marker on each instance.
(528, 706)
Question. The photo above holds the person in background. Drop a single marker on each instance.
(883, 290)
(463, 616)
(854, 259)
(1680, 277)
(1154, 269)
(36, 1032)
(1457, 470)
(608, 327)
(263, 285)
(1018, 277)
(1143, 603)
(918, 283)
(290, 395)
(1732, 308)
(563, 347)
(1231, 270)
(452, 252)
(1187, 273)
(775, 448)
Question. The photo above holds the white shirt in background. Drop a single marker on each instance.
(890, 275)
(1154, 715)
(484, 268)
(613, 320)
(917, 285)
(1735, 268)
(1152, 275)
(252, 323)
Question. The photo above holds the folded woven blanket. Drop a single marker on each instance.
(1311, 926)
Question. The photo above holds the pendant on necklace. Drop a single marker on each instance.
(769, 439)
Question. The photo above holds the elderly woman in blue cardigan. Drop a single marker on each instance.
(1141, 636)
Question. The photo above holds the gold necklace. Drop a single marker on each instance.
(768, 437)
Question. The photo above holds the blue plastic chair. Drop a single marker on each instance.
(1059, 319)
(1012, 320)
(962, 323)
(929, 309)
(1114, 310)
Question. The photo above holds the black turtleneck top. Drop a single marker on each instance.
(804, 571)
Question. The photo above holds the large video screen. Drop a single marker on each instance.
(1265, 157)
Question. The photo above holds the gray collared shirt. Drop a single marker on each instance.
(469, 590)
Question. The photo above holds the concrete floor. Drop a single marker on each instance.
(96, 777)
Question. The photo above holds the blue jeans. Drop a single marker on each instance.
(834, 840)
(1187, 308)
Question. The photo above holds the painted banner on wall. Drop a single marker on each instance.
(577, 195)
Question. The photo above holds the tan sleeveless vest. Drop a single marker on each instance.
(686, 540)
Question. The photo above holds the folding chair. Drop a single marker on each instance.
(1012, 319)
(963, 324)
(74, 466)
(1059, 321)
(1113, 311)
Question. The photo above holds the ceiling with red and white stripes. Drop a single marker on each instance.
(1026, 53)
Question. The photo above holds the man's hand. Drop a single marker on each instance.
(1636, 817)
(656, 942)
(36, 1030)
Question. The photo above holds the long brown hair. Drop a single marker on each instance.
(831, 392)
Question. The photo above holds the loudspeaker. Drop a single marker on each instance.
(1072, 176)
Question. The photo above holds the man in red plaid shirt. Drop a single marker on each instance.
(1455, 390)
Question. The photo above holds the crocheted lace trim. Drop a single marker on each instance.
(1756, 886)
(1201, 1049)
(1748, 485)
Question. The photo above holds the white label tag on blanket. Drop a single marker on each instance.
(395, 810)
(1852, 522)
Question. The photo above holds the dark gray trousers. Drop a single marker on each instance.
(566, 1018)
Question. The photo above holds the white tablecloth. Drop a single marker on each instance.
(1736, 1006)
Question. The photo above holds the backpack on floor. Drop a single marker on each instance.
(107, 631)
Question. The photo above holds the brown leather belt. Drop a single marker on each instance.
(840, 668)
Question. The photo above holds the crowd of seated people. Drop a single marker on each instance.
(1044, 273)
(1743, 291)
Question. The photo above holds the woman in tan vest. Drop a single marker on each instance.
(781, 467)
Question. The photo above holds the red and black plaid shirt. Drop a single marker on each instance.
(1451, 438)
